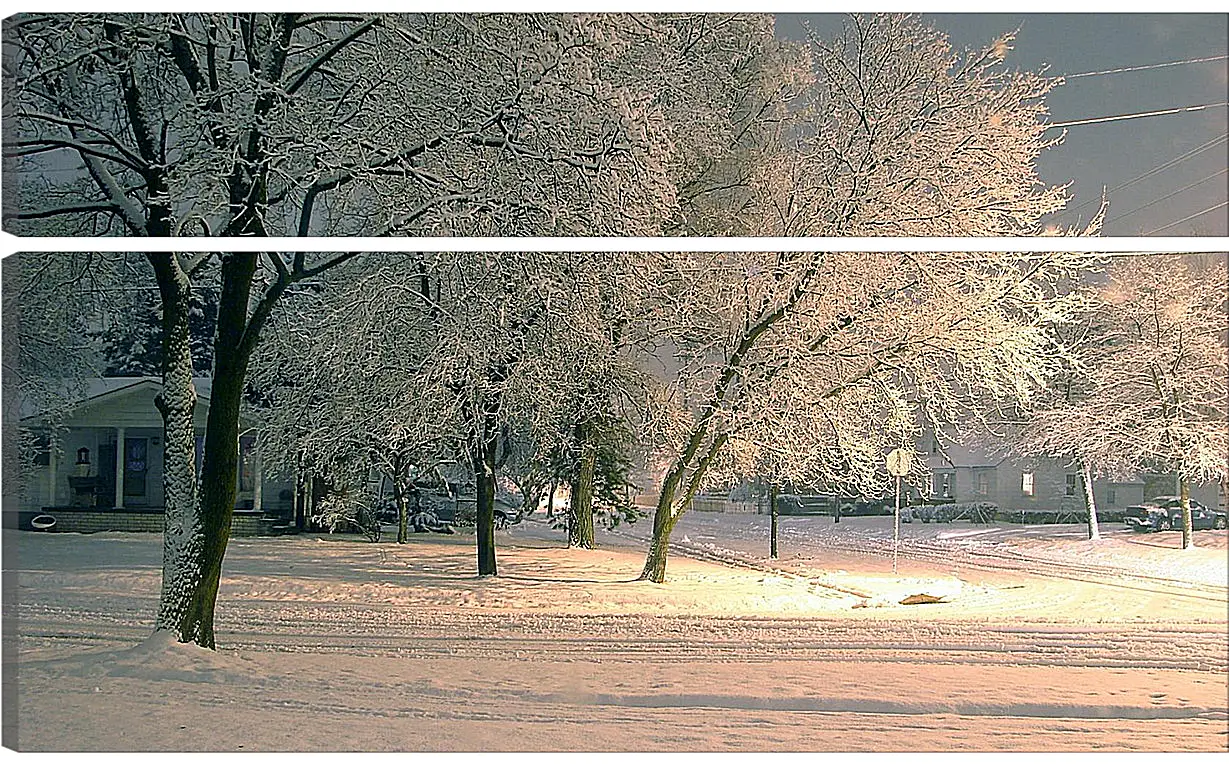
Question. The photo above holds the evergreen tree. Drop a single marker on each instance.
(131, 335)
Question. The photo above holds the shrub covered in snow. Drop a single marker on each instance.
(975, 511)
(344, 511)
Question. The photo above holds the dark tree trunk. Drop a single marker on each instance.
(484, 481)
(665, 517)
(772, 511)
(1188, 532)
(580, 527)
(220, 463)
(663, 525)
(309, 499)
(401, 496)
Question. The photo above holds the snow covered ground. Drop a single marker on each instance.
(1042, 641)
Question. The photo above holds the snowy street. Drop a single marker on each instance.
(333, 643)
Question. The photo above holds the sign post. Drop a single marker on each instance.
(898, 466)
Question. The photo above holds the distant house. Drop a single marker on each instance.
(100, 465)
(1041, 484)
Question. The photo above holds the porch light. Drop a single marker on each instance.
(83, 462)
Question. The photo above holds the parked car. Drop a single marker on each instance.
(827, 504)
(794, 504)
(1164, 513)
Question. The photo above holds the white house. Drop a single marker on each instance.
(1041, 485)
(100, 467)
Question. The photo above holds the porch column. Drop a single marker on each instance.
(119, 467)
(294, 501)
(257, 481)
(52, 466)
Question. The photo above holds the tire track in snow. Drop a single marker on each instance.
(979, 556)
(378, 631)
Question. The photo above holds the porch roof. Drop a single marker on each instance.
(126, 401)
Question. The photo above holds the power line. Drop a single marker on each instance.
(1136, 115)
(1188, 218)
(1152, 172)
(1166, 197)
(1145, 66)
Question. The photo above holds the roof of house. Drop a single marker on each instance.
(102, 389)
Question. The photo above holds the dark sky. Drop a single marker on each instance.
(1106, 155)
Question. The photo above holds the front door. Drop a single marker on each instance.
(104, 467)
(136, 467)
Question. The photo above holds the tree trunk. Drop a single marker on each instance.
(663, 525)
(772, 511)
(665, 517)
(182, 538)
(1188, 532)
(188, 605)
(550, 505)
(484, 482)
(401, 496)
(1090, 503)
(403, 509)
(580, 526)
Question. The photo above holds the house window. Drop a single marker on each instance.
(1026, 483)
(983, 483)
(1111, 496)
(942, 483)
(1072, 483)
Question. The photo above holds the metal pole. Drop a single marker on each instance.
(896, 527)
(772, 511)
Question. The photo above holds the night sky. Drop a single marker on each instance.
(1106, 155)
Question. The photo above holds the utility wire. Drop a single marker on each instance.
(1166, 197)
(1136, 115)
(1145, 66)
(1152, 172)
(1188, 218)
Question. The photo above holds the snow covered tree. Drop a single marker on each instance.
(898, 135)
(816, 365)
(346, 124)
(1039, 430)
(461, 356)
(131, 333)
(328, 124)
(600, 479)
(590, 454)
(1152, 393)
(50, 305)
(199, 508)
(337, 377)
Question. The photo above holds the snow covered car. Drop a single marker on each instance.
(1164, 513)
